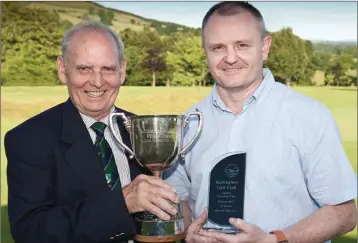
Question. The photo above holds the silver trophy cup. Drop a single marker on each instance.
(157, 143)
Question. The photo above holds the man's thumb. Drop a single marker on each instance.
(239, 224)
(202, 218)
(197, 223)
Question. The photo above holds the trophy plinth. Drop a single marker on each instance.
(156, 144)
(153, 229)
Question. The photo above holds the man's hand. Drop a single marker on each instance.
(193, 232)
(149, 193)
(249, 234)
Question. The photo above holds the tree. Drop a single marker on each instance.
(154, 61)
(187, 60)
(135, 52)
(320, 60)
(106, 16)
(305, 70)
(31, 40)
(337, 72)
(154, 53)
(290, 58)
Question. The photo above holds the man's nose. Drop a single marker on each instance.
(231, 56)
(97, 79)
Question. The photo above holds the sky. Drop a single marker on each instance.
(332, 21)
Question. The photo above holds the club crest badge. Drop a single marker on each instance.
(108, 178)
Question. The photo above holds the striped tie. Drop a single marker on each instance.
(106, 155)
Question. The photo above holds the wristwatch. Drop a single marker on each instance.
(281, 238)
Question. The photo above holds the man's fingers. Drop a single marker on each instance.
(160, 183)
(203, 239)
(197, 223)
(241, 225)
(163, 204)
(165, 193)
(156, 211)
(202, 218)
(157, 187)
(217, 235)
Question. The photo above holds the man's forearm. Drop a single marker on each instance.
(326, 223)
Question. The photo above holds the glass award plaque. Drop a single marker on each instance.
(226, 192)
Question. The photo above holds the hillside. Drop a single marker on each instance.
(32, 33)
(76, 12)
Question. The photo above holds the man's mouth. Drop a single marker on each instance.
(231, 70)
(95, 94)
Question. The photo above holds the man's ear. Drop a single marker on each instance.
(61, 69)
(266, 47)
(204, 50)
(123, 69)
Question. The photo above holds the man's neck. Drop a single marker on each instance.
(103, 117)
(235, 98)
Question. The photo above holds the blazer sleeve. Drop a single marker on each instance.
(33, 215)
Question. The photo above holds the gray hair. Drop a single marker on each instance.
(95, 26)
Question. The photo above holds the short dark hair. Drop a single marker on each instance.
(233, 8)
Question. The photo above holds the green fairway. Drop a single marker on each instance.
(19, 103)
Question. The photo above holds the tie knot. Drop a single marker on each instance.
(99, 127)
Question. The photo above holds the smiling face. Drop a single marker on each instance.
(92, 72)
(234, 49)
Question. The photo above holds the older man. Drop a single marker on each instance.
(299, 185)
(69, 182)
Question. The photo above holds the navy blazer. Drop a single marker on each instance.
(56, 187)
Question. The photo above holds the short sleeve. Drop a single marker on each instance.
(328, 173)
(176, 176)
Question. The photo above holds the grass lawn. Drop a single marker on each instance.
(19, 103)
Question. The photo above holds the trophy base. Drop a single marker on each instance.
(168, 238)
(222, 230)
(157, 230)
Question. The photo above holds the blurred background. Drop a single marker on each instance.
(314, 51)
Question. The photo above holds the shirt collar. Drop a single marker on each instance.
(89, 121)
(263, 88)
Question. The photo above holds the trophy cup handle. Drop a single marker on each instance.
(126, 123)
(198, 131)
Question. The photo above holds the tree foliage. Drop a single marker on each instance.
(31, 40)
(165, 55)
(106, 17)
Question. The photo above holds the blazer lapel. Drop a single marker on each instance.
(80, 154)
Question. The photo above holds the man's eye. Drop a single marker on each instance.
(83, 68)
(109, 70)
(217, 48)
(242, 46)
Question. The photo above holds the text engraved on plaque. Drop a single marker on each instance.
(226, 190)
